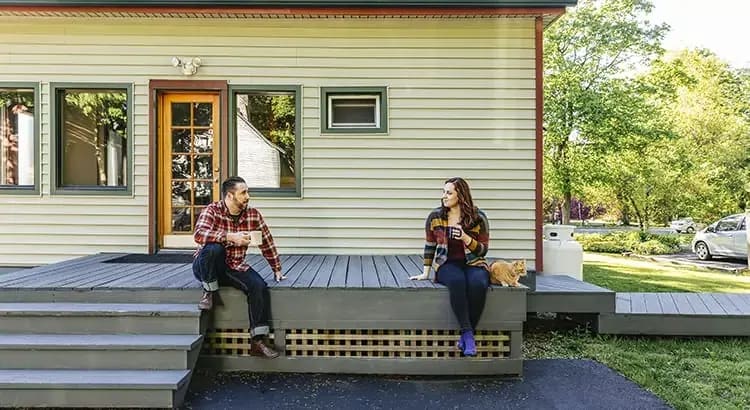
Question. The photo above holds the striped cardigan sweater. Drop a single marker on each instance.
(436, 241)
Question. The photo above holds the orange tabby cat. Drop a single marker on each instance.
(507, 273)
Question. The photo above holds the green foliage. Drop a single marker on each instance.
(274, 116)
(105, 108)
(671, 141)
(590, 109)
(638, 242)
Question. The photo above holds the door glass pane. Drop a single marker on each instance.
(203, 167)
(203, 193)
(181, 140)
(181, 220)
(180, 166)
(180, 114)
(202, 114)
(203, 140)
(181, 193)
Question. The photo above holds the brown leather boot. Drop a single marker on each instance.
(207, 301)
(259, 348)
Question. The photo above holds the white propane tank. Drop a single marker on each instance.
(562, 254)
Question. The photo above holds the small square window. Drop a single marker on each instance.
(354, 110)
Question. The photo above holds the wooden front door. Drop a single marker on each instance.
(188, 163)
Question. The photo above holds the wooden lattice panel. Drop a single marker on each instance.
(370, 343)
(229, 342)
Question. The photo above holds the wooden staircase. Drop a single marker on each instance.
(97, 354)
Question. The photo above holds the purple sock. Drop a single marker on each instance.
(470, 347)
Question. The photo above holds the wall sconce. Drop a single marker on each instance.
(188, 67)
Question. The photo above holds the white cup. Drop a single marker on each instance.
(256, 238)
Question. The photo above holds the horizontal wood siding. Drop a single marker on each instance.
(461, 102)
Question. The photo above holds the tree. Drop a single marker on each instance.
(591, 108)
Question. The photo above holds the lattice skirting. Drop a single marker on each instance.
(370, 343)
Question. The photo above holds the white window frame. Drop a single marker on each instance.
(332, 98)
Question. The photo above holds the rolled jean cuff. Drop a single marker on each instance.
(210, 286)
(259, 331)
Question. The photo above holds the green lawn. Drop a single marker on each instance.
(688, 373)
(623, 274)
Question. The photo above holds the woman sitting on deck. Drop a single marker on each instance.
(457, 238)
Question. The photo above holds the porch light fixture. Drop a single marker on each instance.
(188, 67)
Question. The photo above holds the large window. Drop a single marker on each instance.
(92, 142)
(19, 138)
(354, 110)
(265, 147)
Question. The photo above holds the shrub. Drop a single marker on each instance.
(638, 242)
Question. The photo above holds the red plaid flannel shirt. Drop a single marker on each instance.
(215, 222)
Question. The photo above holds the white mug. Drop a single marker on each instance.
(256, 238)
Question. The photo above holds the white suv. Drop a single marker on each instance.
(725, 237)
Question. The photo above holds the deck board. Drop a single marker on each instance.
(400, 275)
(667, 303)
(323, 276)
(338, 276)
(370, 277)
(385, 275)
(354, 272)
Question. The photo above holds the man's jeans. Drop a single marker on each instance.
(210, 268)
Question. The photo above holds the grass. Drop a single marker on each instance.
(623, 274)
(688, 373)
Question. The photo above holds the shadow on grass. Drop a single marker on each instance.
(625, 280)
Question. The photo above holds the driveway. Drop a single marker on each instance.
(547, 384)
(717, 263)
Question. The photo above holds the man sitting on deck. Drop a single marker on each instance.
(223, 231)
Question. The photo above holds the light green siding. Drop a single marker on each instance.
(461, 102)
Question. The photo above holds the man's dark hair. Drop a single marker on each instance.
(229, 184)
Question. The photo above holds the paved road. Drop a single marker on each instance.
(547, 384)
(593, 229)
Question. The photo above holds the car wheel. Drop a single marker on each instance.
(690, 229)
(701, 250)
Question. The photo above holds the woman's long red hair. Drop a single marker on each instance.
(469, 213)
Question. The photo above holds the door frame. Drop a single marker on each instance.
(156, 88)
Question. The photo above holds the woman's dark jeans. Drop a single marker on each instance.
(467, 286)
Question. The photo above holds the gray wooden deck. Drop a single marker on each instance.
(93, 279)
(562, 293)
(679, 314)
(302, 271)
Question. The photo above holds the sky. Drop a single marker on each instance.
(721, 26)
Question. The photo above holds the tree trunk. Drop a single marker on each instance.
(638, 213)
(566, 208)
(99, 150)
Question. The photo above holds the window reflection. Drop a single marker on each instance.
(266, 138)
(93, 137)
(17, 137)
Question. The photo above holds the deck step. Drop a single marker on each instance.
(92, 388)
(99, 318)
(117, 351)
